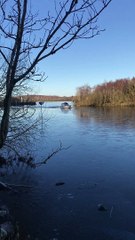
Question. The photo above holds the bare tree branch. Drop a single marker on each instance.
(26, 40)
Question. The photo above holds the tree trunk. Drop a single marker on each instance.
(5, 118)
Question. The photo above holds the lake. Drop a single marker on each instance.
(96, 167)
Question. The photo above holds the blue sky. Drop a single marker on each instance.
(109, 56)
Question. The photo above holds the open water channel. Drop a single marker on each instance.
(97, 168)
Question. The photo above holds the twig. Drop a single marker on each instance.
(4, 186)
(54, 152)
(111, 211)
(14, 185)
(9, 187)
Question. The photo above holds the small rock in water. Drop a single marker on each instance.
(101, 207)
(3, 234)
(3, 211)
(4, 214)
(59, 183)
(6, 229)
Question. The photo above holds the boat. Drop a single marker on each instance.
(41, 103)
(65, 105)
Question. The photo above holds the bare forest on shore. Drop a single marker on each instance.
(120, 92)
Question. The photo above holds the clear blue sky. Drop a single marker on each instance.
(109, 56)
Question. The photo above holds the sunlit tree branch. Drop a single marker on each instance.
(26, 40)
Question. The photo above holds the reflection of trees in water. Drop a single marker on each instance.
(83, 113)
(27, 146)
(121, 116)
(25, 130)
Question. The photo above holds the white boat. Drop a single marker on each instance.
(65, 105)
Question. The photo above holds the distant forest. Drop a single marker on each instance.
(40, 98)
(32, 99)
(113, 93)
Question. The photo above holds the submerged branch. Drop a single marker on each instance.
(54, 152)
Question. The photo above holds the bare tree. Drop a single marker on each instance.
(26, 40)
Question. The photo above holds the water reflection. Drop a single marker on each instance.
(115, 115)
(98, 168)
(65, 110)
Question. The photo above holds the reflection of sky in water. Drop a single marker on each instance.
(52, 104)
(99, 167)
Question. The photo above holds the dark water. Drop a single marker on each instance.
(99, 167)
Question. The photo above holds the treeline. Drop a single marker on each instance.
(32, 99)
(113, 93)
(38, 98)
(44, 98)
